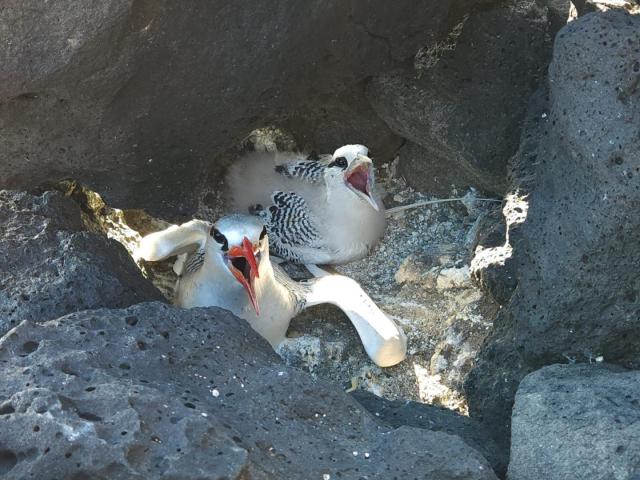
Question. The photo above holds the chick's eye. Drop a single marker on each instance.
(220, 238)
(339, 162)
(263, 233)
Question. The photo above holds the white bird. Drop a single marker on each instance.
(227, 265)
(323, 211)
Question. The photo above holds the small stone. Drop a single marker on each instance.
(453, 278)
(408, 272)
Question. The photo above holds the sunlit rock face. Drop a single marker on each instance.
(577, 253)
(580, 283)
(140, 99)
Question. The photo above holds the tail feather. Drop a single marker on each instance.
(383, 340)
(175, 240)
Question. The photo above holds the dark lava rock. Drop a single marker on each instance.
(465, 104)
(432, 171)
(158, 392)
(580, 248)
(431, 417)
(138, 98)
(50, 267)
(576, 421)
(339, 119)
(577, 250)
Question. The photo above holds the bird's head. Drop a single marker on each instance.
(243, 246)
(351, 165)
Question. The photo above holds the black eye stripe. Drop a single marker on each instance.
(339, 162)
(263, 232)
(220, 238)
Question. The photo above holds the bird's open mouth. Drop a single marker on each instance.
(244, 267)
(360, 180)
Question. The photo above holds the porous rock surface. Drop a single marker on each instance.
(50, 266)
(462, 103)
(577, 247)
(158, 392)
(576, 421)
(138, 99)
(397, 413)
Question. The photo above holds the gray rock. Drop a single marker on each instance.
(322, 123)
(397, 413)
(576, 421)
(432, 171)
(577, 252)
(579, 248)
(158, 392)
(140, 99)
(50, 267)
(465, 102)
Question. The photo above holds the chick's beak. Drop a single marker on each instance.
(360, 179)
(244, 267)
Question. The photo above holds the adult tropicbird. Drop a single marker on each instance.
(227, 265)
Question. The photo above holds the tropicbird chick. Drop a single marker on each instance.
(323, 211)
(228, 266)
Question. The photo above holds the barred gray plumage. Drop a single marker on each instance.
(289, 225)
(194, 261)
(311, 171)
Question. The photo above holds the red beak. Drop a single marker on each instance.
(245, 272)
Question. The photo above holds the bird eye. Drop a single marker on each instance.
(220, 238)
(339, 162)
(263, 233)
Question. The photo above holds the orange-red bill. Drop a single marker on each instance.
(248, 287)
(246, 252)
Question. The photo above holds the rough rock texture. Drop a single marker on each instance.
(158, 392)
(339, 119)
(419, 276)
(138, 98)
(49, 266)
(462, 103)
(576, 421)
(577, 251)
(430, 417)
(579, 283)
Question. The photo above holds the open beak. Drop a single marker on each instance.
(360, 179)
(244, 267)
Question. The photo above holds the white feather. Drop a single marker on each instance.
(383, 340)
(351, 150)
(175, 240)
